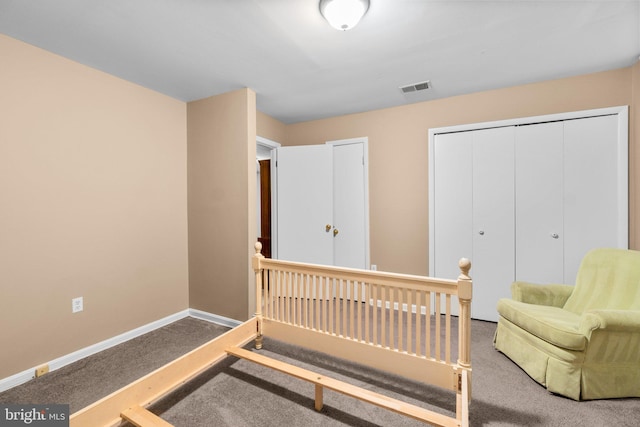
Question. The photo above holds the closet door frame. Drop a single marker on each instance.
(622, 113)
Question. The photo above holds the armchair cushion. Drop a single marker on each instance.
(551, 324)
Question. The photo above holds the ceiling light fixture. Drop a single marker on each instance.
(343, 14)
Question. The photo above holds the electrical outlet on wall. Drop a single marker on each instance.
(77, 304)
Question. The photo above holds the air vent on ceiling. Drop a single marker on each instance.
(415, 87)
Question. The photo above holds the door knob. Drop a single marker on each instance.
(481, 232)
(335, 232)
(554, 235)
(327, 227)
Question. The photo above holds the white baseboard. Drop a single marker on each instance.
(16, 379)
(214, 318)
(24, 376)
(396, 306)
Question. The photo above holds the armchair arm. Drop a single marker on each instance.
(610, 320)
(554, 294)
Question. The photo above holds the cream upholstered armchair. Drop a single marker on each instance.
(579, 341)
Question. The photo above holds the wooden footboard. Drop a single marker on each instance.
(393, 322)
(396, 323)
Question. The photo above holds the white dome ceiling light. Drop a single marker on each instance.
(343, 15)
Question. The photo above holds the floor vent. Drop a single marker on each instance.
(416, 87)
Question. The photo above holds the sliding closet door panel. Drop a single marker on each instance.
(539, 213)
(590, 183)
(453, 202)
(493, 219)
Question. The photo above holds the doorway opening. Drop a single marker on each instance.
(265, 197)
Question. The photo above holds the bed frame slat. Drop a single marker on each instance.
(322, 381)
(140, 417)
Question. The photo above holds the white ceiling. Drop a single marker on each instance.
(303, 69)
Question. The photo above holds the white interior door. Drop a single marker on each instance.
(570, 195)
(493, 255)
(539, 206)
(304, 188)
(349, 215)
(453, 199)
(453, 203)
(590, 173)
(474, 212)
(321, 203)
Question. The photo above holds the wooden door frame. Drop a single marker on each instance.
(270, 145)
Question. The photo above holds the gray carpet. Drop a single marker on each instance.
(96, 376)
(238, 393)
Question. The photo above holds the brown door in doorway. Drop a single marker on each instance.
(265, 207)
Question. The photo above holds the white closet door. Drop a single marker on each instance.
(493, 219)
(591, 202)
(569, 190)
(539, 213)
(453, 202)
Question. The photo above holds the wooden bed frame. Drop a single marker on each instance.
(392, 322)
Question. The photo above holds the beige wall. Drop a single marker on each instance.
(634, 160)
(94, 178)
(93, 194)
(398, 146)
(222, 194)
(270, 128)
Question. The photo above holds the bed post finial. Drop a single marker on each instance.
(465, 266)
(258, 247)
